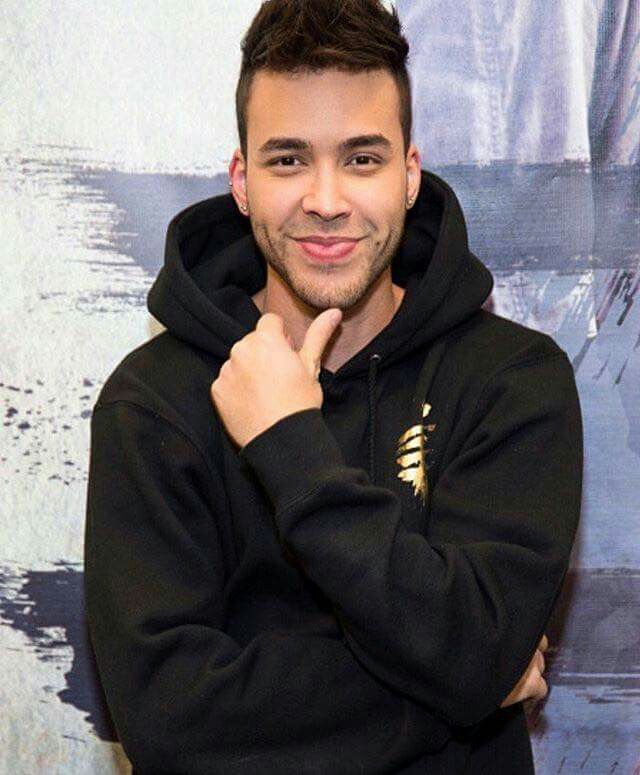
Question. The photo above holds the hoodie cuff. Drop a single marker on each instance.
(293, 456)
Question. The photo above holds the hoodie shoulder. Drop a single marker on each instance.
(492, 342)
(169, 378)
(484, 346)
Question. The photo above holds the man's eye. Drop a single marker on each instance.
(274, 162)
(365, 156)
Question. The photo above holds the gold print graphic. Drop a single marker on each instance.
(411, 456)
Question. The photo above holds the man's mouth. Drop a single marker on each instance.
(326, 240)
(327, 249)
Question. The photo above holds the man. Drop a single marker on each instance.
(331, 507)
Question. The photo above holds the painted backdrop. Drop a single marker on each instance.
(116, 115)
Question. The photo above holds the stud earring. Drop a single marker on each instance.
(241, 206)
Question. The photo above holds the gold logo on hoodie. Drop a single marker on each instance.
(411, 455)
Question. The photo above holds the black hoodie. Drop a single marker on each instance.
(358, 588)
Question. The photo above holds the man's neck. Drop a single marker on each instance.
(359, 326)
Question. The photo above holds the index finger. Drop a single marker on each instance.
(271, 322)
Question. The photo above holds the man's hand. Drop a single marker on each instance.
(265, 379)
(531, 685)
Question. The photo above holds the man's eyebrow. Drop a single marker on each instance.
(298, 144)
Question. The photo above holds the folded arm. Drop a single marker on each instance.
(453, 618)
(185, 696)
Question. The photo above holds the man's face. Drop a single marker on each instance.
(358, 192)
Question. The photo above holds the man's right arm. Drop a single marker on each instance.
(184, 695)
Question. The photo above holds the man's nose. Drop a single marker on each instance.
(326, 196)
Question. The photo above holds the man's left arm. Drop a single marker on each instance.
(453, 618)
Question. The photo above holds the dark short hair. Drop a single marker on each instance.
(314, 35)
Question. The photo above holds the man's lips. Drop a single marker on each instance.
(327, 240)
(327, 248)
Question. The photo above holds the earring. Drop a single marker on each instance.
(410, 202)
(241, 206)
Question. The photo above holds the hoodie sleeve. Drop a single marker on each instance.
(184, 695)
(452, 618)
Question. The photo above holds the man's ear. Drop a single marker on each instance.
(238, 180)
(414, 172)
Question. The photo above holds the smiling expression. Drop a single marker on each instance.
(325, 160)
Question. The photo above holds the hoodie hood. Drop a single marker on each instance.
(212, 267)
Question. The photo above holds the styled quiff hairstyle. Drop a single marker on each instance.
(314, 35)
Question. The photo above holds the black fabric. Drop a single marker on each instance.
(359, 587)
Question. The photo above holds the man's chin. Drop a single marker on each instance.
(319, 301)
(320, 290)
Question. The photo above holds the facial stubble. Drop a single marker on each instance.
(338, 295)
